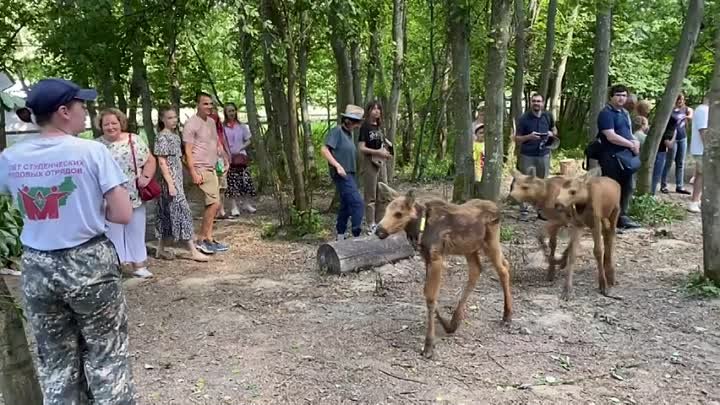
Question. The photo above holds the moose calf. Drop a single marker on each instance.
(471, 229)
(593, 202)
(542, 193)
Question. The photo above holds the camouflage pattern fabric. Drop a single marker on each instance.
(78, 315)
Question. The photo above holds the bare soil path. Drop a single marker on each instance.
(259, 325)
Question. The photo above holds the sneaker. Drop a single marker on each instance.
(204, 247)
(681, 190)
(664, 190)
(523, 216)
(694, 207)
(142, 272)
(217, 246)
(340, 237)
(627, 223)
(235, 212)
(249, 208)
(692, 180)
(372, 229)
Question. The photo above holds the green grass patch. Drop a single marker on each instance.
(700, 286)
(302, 225)
(508, 233)
(652, 211)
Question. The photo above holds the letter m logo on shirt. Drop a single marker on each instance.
(43, 203)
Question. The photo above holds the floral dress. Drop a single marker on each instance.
(239, 180)
(174, 219)
(121, 152)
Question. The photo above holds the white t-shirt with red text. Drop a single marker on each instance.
(58, 184)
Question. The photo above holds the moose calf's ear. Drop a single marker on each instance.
(410, 198)
(387, 191)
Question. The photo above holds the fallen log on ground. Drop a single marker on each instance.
(362, 253)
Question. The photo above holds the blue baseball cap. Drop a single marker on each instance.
(47, 95)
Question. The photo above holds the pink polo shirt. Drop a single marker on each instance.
(202, 135)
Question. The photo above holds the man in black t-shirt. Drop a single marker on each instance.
(536, 131)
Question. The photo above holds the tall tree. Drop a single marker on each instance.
(684, 52)
(601, 63)
(567, 48)
(458, 21)
(18, 380)
(374, 55)
(495, 98)
(519, 76)
(398, 36)
(303, 51)
(345, 90)
(711, 178)
(547, 64)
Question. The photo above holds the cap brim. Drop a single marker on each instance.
(352, 117)
(86, 94)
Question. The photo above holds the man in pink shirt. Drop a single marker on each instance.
(202, 151)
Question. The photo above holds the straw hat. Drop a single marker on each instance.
(353, 112)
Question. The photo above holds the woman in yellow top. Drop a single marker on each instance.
(479, 150)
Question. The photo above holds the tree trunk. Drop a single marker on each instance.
(18, 380)
(133, 104)
(601, 65)
(122, 102)
(557, 93)
(3, 135)
(410, 129)
(549, 49)
(140, 70)
(303, 50)
(445, 92)
(108, 91)
(711, 178)
(495, 99)
(460, 114)
(175, 93)
(292, 145)
(266, 177)
(374, 57)
(516, 98)
(663, 110)
(356, 70)
(398, 36)
(345, 91)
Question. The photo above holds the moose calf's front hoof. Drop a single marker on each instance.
(567, 294)
(428, 352)
(550, 276)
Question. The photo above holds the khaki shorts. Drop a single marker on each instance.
(209, 189)
(698, 163)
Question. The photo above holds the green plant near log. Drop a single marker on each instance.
(10, 228)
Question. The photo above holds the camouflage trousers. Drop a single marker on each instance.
(77, 312)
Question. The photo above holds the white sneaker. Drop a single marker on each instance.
(249, 208)
(372, 229)
(694, 207)
(340, 237)
(235, 212)
(142, 272)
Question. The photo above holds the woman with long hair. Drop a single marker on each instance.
(174, 218)
(681, 113)
(240, 185)
(374, 156)
(134, 158)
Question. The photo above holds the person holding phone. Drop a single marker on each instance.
(536, 133)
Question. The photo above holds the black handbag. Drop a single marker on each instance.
(627, 161)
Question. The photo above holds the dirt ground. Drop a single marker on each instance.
(260, 325)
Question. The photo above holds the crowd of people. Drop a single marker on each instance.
(622, 130)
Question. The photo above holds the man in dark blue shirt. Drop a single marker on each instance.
(536, 131)
(615, 136)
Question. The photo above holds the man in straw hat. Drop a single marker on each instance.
(340, 152)
(65, 189)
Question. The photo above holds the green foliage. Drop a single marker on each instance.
(10, 228)
(652, 211)
(303, 224)
(508, 234)
(700, 286)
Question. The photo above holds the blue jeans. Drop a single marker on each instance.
(351, 204)
(658, 169)
(677, 154)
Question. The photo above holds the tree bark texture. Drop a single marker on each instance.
(345, 92)
(601, 65)
(567, 48)
(711, 178)
(516, 98)
(547, 64)
(686, 45)
(356, 70)
(18, 380)
(409, 137)
(362, 253)
(303, 50)
(145, 96)
(374, 57)
(459, 106)
(398, 36)
(495, 99)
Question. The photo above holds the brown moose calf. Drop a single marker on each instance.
(471, 229)
(593, 202)
(542, 193)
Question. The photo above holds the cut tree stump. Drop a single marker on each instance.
(568, 167)
(362, 253)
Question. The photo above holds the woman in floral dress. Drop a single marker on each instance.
(240, 184)
(174, 219)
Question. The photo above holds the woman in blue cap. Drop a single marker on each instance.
(65, 188)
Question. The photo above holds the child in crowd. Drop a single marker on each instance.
(479, 150)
